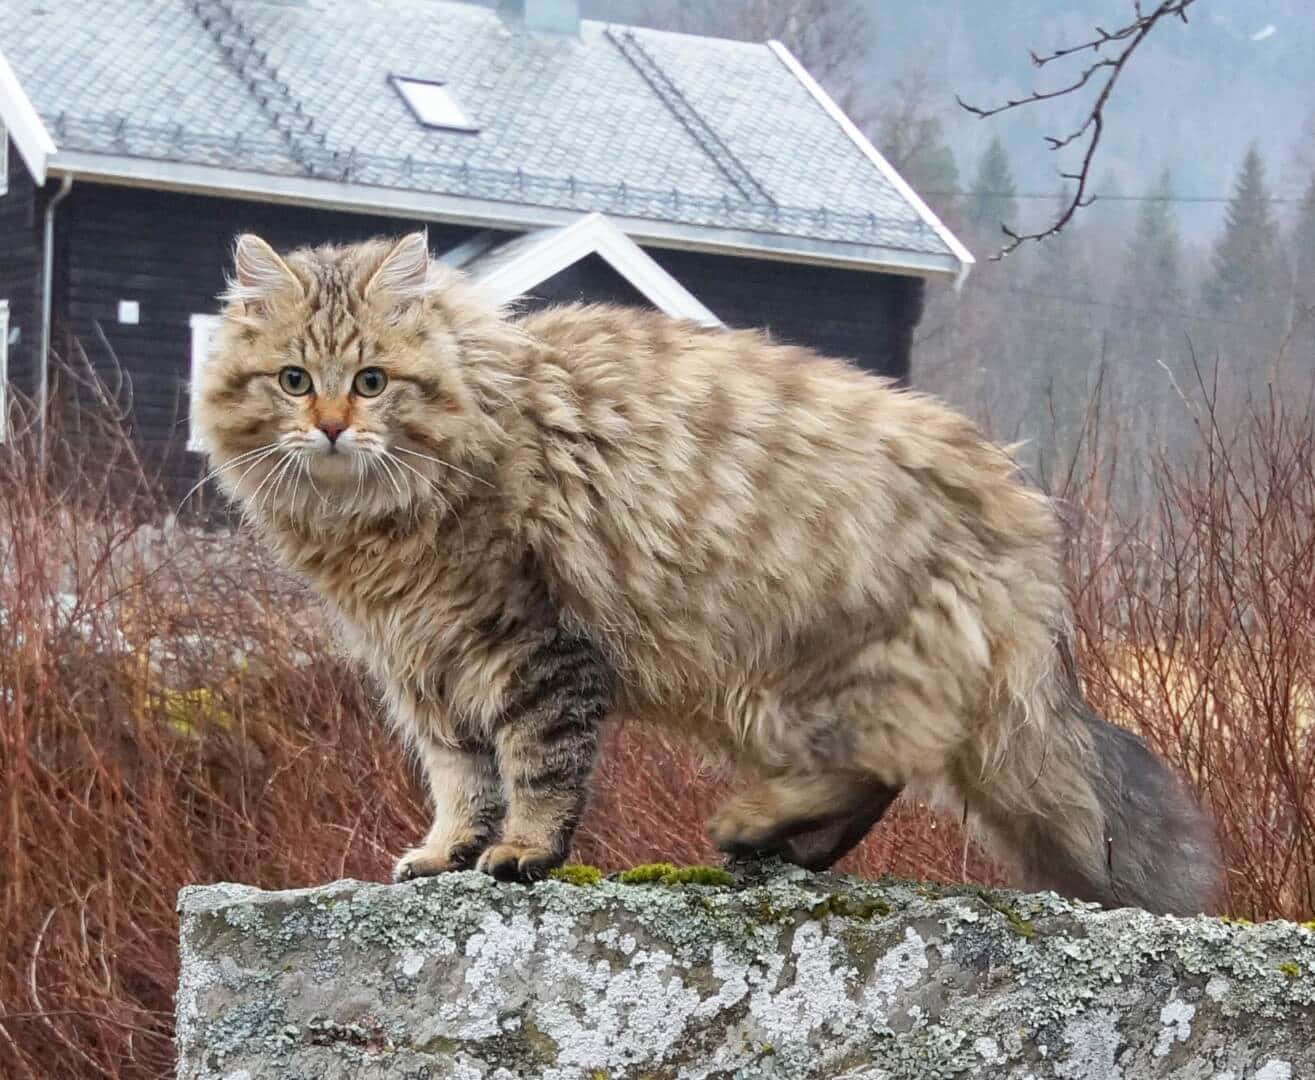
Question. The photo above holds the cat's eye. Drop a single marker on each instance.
(369, 382)
(295, 381)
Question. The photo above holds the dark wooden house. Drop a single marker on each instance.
(554, 158)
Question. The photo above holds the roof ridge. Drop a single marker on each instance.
(670, 94)
(238, 45)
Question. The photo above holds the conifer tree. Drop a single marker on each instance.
(1153, 274)
(992, 203)
(1303, 251)
(1247, 274)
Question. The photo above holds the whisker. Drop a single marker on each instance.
(293, 476)
(287, 472)
(247, 471)
(252, 502)
(386, 464)
(232, 463)
(386, 467)
(305, 468)
(440, 461)
(448, 508)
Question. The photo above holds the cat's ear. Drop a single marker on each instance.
(259, 275)
(404, 272)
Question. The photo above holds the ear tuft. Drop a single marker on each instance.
(259, 274)
(404, 273)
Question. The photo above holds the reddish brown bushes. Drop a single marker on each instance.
(1197, 629)
(170, 712)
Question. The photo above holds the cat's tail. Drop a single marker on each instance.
(1082, 807)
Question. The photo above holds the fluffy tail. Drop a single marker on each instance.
(1084, 808)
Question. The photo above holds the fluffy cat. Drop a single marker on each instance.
(528, 525)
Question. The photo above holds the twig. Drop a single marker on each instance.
(1093, 125)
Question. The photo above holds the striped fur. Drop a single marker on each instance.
(594, 510)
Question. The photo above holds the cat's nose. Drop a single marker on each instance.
(332, 428)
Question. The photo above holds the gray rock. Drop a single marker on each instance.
(788, 975)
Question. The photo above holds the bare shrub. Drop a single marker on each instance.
(1197, 629)
(172, 712)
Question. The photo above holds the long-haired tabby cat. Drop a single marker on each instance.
(526, 526)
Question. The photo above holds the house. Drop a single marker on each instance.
(552, 157)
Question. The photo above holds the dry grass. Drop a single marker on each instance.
(170, 712)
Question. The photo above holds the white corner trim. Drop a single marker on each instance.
(30, 136)
(556, 249)
(202, 329)
(864, 144)
(4, 370)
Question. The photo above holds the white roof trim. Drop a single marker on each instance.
(30, 136)
(553, 250)
(486, 213)
(860, 140)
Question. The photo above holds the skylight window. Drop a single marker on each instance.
(433, 104)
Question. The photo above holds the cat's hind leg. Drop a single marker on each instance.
(822, 848)
(811, 818)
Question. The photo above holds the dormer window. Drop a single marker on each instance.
(432, 104)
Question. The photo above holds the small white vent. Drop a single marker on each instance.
(433, 104)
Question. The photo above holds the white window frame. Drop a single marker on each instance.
(203, 328)
(4, 369)
(459, 119)
(4, 159)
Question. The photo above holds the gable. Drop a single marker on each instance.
(516, 267)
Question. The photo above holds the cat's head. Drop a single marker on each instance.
(340, 381)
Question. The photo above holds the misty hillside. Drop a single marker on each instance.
(1192, 99)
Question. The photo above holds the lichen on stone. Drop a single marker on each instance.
(781, 973)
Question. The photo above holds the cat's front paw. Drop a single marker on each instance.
(428, 860)
(516, 862)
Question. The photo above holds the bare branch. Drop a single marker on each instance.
(1093, 126)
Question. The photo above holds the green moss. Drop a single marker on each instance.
(670, 874)
(1231, 921)
(1020, 926)
(598, 1074)
(578, 874)
(1309, 926)
(1290, 969)
(849, 907)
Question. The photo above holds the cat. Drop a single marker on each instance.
(527, 525)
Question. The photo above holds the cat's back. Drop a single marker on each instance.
(664, 381)
(756, 489)
(655, 372)
(602, 338)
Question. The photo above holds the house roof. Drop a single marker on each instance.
(684, 141)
